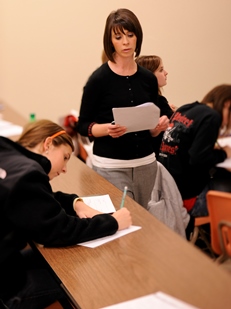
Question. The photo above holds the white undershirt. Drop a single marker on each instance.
(115, 163)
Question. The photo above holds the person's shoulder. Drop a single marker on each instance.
(24, 160)
(145, 72)
(99, 76)
(146, 76)
(162, 99)
(101, 71)
(195, 106)
(199, 111)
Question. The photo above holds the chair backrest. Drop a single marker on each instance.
(219, 208)
(225, 237)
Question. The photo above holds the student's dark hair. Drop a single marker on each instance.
(36, 132)
(218, 96)
(151, 63)
(118, 21)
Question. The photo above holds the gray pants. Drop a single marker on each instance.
(139, 180)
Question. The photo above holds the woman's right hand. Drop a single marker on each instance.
(115, 130)
(123, 217)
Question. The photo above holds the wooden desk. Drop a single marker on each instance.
(149, 260)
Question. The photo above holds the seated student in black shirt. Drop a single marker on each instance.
(31, 211)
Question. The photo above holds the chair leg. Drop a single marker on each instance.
(205, 239)
(194, 235)
(221, 259)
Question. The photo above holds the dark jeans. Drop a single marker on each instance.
(41, 288)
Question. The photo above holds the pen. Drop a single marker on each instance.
(123, 197)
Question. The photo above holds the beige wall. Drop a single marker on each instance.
(50, 47)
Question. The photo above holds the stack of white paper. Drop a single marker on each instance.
(138, 118)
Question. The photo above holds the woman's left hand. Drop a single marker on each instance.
(162, 126)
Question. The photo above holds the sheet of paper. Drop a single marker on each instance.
(101, 203)
(157, 300)
(137, 118)
(222, 142)
(8, 129)
(100, 241)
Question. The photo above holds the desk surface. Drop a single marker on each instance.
(148, 260)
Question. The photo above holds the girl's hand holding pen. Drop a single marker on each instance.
(123, 217)
(115, 130)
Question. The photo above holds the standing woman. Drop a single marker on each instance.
(125, 159)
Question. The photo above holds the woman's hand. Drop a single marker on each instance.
(123, 217)
(162, 126)
(173, 107)
(115, 130)
(84, 211)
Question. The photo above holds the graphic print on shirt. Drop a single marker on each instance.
(171, 139)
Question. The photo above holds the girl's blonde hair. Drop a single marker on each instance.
(36, 132)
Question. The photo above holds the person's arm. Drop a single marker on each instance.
(202, 151)
(90, 105)
(33, 209)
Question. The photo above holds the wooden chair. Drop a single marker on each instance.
(219, 207)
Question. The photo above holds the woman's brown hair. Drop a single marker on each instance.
(36, 132)
(150, 63)
(118, 21)
(218, 96)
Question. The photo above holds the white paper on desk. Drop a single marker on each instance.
(137, 118)
(100, 241)
(8, 129)
(222, 142)
(101, 203)
(157, 300)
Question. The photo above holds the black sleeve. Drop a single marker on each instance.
(202, 152)
(89, 103)
(33, 209)
(164, 107)
(66, 201)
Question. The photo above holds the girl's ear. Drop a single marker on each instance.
(47, 143)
